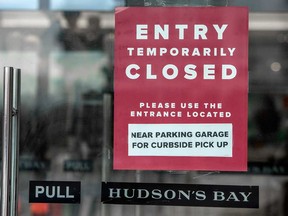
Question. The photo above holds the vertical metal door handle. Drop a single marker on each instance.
(15, 141)
(10, 142)
(7, 138)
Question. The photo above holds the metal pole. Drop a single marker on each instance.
(107, 134)
(6, 144)
(15, 141)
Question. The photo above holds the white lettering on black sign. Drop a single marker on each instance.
(180, 195)
(54, 192)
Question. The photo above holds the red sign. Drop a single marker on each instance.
(181, 88)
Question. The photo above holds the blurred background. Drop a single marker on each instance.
(65, 51)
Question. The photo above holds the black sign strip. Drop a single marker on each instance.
(54, 191)
(180, 195)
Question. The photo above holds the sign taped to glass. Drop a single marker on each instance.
(181, 88)
(180, 194)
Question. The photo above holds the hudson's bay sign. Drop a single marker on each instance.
(180, 194)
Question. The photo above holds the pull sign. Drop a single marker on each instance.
(54, 192)
(180, 195)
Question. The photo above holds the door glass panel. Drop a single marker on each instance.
(67, 104)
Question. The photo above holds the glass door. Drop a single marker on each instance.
(66, 56)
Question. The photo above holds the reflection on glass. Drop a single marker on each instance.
(65, 72)
(19, 4)
(106, 5)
